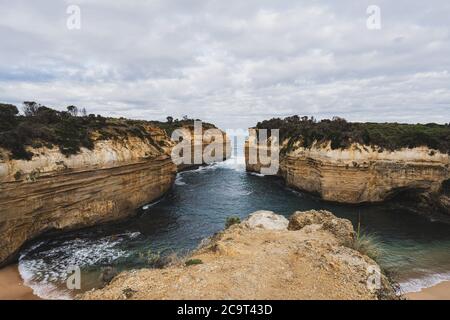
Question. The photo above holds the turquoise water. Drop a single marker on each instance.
(197, 207)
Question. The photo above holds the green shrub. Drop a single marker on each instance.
(192, 262)
(390, 136)
(150, 258)
(232, 220)
(43, 126)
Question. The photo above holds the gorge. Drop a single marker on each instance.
(108, 182)
(177, 208)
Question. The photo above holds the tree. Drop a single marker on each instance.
(7, 116)
(84, 112)
(185, 117)
(8, 110)
(46, 115)
(169, 119)
(30, 108)
(73, 110)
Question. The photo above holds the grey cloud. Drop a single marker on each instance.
(230, 62)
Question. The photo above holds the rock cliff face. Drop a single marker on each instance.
(55, 192)
(264, 257)
(360, 173)
(52, 192)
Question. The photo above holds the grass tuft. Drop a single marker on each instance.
(368, 244)
(192, 262)
(231, 221)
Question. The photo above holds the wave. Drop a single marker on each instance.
(256, 174)
(236, 163)
(233, 163)
(417, 284)
(42, 289)
(45, 271)
(151, 204)
(179, 180)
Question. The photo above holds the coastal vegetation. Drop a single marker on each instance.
(231, 221)
(70, 130)
(193, 262)
(305, 131)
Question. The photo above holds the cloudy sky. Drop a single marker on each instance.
(230, 62)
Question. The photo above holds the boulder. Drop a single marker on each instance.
(267, 220)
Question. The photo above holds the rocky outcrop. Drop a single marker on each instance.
(260, 259)
(54, 192)
(360, 173)
(342, 229)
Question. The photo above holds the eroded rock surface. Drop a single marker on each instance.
(248, 261)
(54, 192)
(266, 220)
(360, 173)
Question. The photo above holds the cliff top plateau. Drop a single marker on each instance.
(298, 131)
(40, 126)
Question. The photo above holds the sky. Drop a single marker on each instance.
(230, 62)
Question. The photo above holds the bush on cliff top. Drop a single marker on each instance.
(342, 134)
(69, 130)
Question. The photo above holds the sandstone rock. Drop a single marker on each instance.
(259, 263)
(341, 228)
(58, 193)
(118, 182)
(360, 174)
(267, 220)
(444, 203)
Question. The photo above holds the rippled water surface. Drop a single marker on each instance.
(197, 207)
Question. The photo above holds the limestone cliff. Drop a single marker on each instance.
(55, 192)
(264, 257)
(360, 173)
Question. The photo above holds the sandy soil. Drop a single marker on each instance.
(437, 292)
(12, 287)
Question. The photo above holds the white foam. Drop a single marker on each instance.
(179, 180)
(417, 284)
(256, 174)
(151, 204)
(236, 163)
(46, 273)
(42, 289)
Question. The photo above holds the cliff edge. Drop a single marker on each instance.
(55, 192)
(357, 162)
(60, 171)
(264, 257)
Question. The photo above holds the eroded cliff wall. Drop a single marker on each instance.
(54, 192)
(360, 173)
